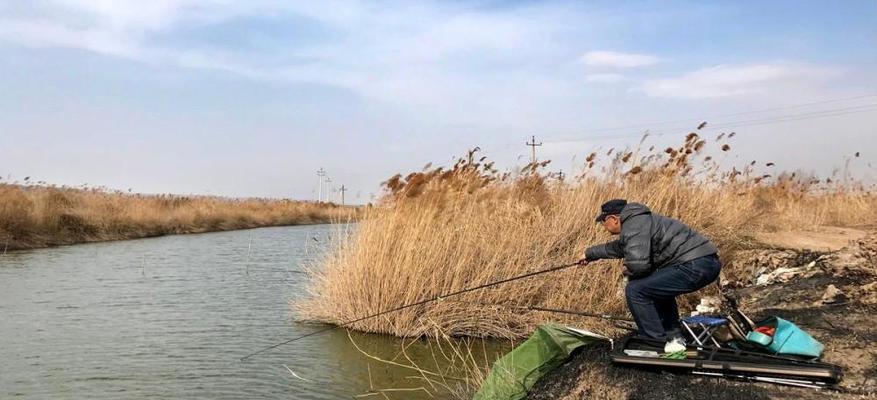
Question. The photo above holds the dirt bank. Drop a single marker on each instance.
(44, 216)
(830, 292)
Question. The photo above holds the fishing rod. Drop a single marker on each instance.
(417, 303)
(553, 310)
(581, 314)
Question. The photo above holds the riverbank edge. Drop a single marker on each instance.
(41, 216)
(12, 246)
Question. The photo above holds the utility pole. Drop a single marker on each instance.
(321, 173)
(533, 145)
(342, 190)
(328, 180)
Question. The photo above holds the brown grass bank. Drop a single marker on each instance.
(442, 230)
(42, 216)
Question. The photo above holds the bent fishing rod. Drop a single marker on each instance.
(581, 314)
(415, 304)
(551, 310)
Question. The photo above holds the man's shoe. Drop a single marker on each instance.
(674, 345)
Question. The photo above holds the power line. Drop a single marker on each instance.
(789, 107)
(320, 174)
(751, 122)
(802, 116)
(342, 190)
(532, 143)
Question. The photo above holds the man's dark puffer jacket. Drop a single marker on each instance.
(650, 241)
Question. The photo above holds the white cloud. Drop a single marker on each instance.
(426, 76)
(45, 34)
(372, 51)
(124, 28)
(617, 60)
(121, 15)
(737, 80)
(605, 78)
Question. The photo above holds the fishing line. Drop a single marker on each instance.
(418, 303)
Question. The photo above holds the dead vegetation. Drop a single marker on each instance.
(33, 216)
(441, 230)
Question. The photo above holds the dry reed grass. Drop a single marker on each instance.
(447, 367)
(41, 216)
(439, 230)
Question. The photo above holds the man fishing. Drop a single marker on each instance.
(663, 258)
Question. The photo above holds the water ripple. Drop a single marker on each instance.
(170, 317)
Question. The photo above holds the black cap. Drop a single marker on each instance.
(611, 207)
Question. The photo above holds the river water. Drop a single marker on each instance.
(171, 317)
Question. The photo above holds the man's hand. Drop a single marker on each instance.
(582, 261)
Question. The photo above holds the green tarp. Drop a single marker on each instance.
(513, 375)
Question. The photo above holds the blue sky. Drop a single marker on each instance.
(250, 98)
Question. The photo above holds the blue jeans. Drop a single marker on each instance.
(652, 299)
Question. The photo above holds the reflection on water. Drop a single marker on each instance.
(170, 317)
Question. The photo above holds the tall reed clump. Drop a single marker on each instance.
(438, 231)
(41, 216)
